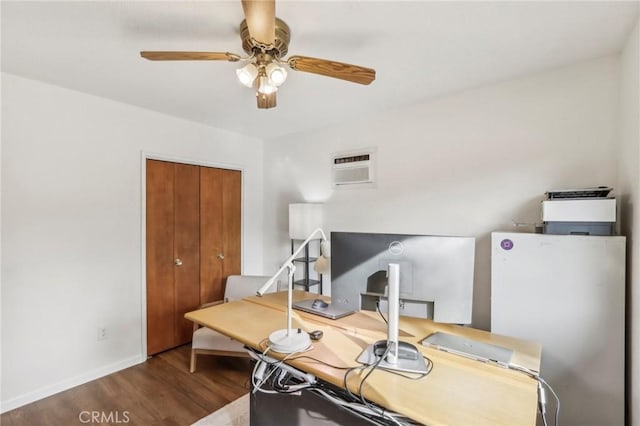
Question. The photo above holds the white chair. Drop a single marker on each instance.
(209, 342)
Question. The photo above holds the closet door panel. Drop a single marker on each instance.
(159, 242)
(186, 248)
(211, 229)
(231, 221)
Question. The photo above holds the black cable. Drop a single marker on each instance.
(276, 386)
(380, 312)
(419, 376)
(281, 384)
(373, 368)
(328, 392)
(321, 362)
(349, 370)
(345, 380)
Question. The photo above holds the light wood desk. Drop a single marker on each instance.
(458, 391)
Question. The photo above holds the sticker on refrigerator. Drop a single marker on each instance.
(506, 244)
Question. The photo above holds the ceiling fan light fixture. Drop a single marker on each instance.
(247, 74)
(265, 86)
(277, 74)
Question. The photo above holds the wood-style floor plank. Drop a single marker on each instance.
(160, 391)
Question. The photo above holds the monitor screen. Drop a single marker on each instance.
(436, 273)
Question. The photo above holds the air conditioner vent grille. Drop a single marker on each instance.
(353, 167)
(352, 159)
(355, 175)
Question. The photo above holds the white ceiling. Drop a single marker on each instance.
(419, 49)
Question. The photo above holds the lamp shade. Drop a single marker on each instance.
(247, 74)
(322, 265)
(304, 218)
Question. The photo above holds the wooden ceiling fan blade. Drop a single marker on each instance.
(189, 56)
(261, 20)
(353, 73)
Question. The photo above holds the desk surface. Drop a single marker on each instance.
(458, 391)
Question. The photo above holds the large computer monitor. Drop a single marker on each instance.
(436, 274)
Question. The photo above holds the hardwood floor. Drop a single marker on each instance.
(160, 391)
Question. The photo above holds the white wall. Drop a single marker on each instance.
(72, 235)
(466, 164)
(630, 208)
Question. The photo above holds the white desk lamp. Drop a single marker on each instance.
(287, 341)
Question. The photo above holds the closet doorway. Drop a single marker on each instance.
(193, 234)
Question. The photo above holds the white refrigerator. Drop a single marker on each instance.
(566, 292)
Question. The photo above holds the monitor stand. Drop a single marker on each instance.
(417, 366)
(394, 357)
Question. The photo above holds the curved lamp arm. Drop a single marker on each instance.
(289, 262)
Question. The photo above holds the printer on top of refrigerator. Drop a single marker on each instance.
(587, 211)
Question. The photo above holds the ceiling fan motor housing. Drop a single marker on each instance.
(280, 46)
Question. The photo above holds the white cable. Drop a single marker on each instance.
(257, 387)
(263, 362)
(260, 360)
(539, 378)
(281, 376)
(557, 415)
(542, 403)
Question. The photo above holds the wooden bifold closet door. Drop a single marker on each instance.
(193, 244)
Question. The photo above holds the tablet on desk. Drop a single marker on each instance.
(469, 348)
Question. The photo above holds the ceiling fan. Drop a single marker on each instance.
(265, 39)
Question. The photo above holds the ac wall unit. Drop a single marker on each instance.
(353, 168)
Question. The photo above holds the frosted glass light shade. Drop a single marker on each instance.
(277, 75)
(247, 74)
(304, 218)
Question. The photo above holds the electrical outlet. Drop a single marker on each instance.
(102, 333)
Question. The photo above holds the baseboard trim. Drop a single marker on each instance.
(67, 384)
